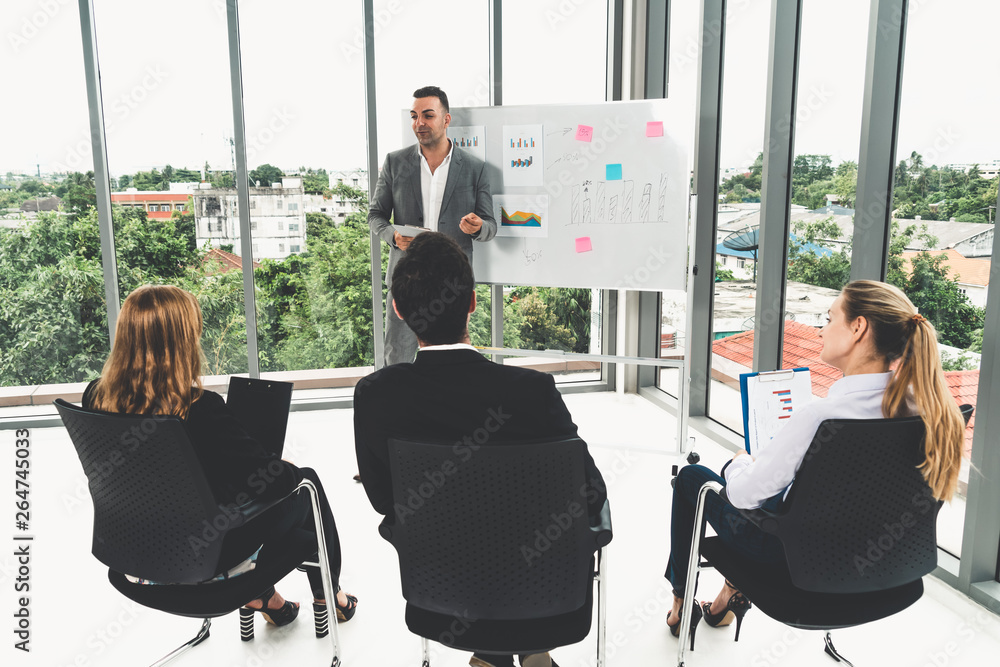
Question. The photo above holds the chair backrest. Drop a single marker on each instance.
(497, 532)
(155, 516)
(860, 516)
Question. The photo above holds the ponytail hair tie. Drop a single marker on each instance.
(918, 318)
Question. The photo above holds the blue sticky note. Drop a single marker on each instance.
(614, 172)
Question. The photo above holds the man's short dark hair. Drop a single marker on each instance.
(433, 91)
(432, 286)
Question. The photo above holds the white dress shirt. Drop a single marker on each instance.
(750, 482)
(447, 346)
(432, 187)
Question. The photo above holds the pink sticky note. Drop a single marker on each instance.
(584, 133)
(654, 128)
(583, 244)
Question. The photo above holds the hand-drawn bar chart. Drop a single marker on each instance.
(613, 202)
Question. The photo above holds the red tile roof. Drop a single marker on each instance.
(969, 271)
(227, 261)
(802, 348)
(964, 386)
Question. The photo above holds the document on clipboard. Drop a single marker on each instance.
(768, 400)
(408, 230)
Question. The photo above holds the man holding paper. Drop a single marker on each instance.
(433, 185)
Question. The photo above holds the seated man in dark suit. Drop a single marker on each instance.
(450, 391)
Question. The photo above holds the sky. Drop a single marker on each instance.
(167, 95)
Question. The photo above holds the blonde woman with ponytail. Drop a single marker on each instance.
(888, 354)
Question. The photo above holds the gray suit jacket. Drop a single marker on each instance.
(397, 195)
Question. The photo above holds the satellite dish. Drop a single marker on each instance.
(746, 240)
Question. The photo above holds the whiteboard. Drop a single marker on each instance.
(583, 195)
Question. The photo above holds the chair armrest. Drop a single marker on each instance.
(600, 526)
(385, 529)
(256, 507)
(766, 521)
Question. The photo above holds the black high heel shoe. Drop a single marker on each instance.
(675, 629)
(737, 608)
(283, 615)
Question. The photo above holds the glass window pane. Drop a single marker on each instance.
(945, 190)
(570, 68)
(550, 318)
(744, 90)
(685, 28)
(169, 130)
(824, 179)
(53, 323)
(306, 153)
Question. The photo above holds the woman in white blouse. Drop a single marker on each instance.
(869, 327)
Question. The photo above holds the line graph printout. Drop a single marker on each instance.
(772, 399)
(522, 156)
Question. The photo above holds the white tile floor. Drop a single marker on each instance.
(78, 620)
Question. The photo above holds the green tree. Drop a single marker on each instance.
(316, 182)
(806, 266)
(723, 274)
(845, 183)
(540, 329)
(265, 175)
(480, 331)
(939, 299)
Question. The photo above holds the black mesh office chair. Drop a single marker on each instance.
(156, 518)
(858, 529)
(496, 550)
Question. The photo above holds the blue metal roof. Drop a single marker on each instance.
(822, 251)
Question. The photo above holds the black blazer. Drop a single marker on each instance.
(237, 467)
(453, 395)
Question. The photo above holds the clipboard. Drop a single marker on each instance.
(768, 398)
(409, 230)
(261, 406)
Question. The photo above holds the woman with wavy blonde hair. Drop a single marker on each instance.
(155, 364)
(872, 328)
(155, 369)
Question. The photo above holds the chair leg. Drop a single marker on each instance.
(199, 638)
(832, 652)
(425, 647)
(602, 605)
(694, 564)
(324, 566)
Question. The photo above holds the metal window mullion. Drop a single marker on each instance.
(242, 186)
(371, 130)
(879, 128)
(981, 538)
(102, 181)
(496, 99)
(613, 77)
(657, 48)
(616, 26)
(656, 61)
(711, 60)
(776, 186)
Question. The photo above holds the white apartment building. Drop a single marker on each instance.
(336, 207)
(988, 170)
(277, 218)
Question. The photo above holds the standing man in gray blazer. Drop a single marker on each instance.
(434, 185)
